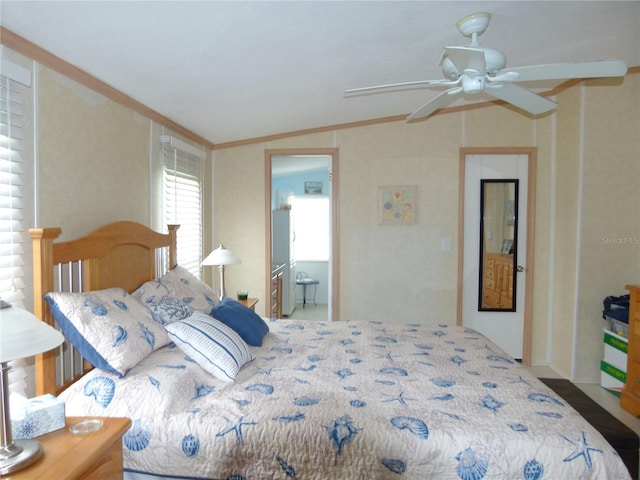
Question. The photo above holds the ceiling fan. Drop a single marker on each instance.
(474, 69)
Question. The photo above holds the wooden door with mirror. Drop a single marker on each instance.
(496, 235)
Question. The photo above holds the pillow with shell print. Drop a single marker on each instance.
(182, 288)
(110, 328)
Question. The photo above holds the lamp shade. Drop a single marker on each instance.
(221, 256)
(22, 335)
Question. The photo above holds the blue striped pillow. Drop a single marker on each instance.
(211, 344)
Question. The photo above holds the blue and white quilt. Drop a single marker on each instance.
(349, 400)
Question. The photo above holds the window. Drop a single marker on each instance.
(182, 198)
(312, 228)
(16, 197)
(16, 184)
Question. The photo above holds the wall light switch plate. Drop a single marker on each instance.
(446, 244)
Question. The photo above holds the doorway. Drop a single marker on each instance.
(496, 235)
(302, 177)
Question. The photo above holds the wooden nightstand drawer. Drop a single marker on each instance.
(107, 467)
(95, 456)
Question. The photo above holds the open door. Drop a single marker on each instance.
(296, 160)
(495, 276)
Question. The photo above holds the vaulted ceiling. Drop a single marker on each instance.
(234, 70)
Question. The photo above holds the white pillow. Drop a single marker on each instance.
(179, 284)
(210, 343)
(110, 328)
(167, 310)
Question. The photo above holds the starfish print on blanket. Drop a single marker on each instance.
(237, 428)
(582, 449)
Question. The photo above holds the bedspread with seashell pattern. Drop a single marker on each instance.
(349, 400)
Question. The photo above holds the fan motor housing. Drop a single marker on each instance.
(494, 61)
(473, 84)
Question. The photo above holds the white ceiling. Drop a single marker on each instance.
(237, 70)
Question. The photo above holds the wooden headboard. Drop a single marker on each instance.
(120, 254)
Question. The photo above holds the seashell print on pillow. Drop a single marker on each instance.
(110, 328)
(181, 285)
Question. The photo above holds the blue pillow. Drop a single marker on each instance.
(247, 323)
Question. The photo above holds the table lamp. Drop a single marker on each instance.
(22, 335)
(221, 256)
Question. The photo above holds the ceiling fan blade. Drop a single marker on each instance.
(466, 59)
(402, 84)
(434, 104)
(562, 71)
(520, 97)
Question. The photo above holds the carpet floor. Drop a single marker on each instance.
(622, 438)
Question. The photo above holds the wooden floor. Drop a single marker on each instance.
(602, 396)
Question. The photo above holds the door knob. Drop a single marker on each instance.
(520, 268)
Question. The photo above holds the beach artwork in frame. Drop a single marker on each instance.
(313, 188)
(397, 205)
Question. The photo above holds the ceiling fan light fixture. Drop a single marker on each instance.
(449, 69)
(494, 59)
(474, 69)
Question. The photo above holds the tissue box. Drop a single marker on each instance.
(38, 416)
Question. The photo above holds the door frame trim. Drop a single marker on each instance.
(532, 153)
(335, 221)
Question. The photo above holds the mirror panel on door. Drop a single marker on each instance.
(498, 245)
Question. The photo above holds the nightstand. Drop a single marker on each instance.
(97, 455)
(250, 302)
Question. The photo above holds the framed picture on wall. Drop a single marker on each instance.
(313, 188)
(397, 205)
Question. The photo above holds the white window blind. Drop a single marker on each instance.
(16, 190)
(16, 208)
(182, 200)
(312, 228)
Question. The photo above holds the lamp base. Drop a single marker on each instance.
(222, 292)
(20, 454)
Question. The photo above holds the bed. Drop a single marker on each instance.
(310, 400)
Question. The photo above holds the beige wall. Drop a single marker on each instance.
(93, 159)
(609, 237)
(400, 273)
(563, 236)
